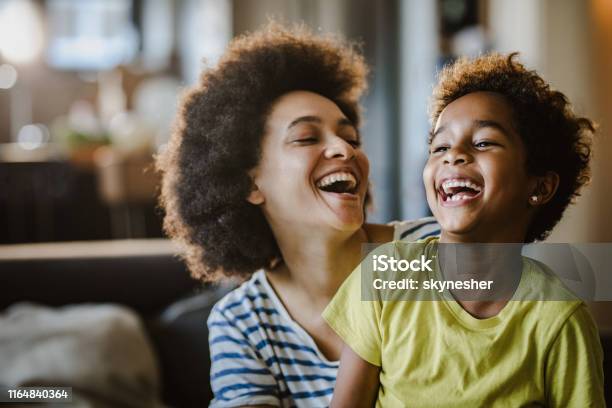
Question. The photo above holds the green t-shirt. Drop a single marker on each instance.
(435, 354)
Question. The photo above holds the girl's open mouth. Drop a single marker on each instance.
(458, 191)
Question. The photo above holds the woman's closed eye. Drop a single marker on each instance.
(313, 138)
(350, 135)
(308, 139)
(354, 142)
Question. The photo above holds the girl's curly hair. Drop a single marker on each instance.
(555, 138)
(217, 140)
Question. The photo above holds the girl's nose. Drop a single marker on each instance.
(456, 156)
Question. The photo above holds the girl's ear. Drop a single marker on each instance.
(545, 188)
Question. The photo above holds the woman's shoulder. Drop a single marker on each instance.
(250, 322)
(407, 230)
(250, 296)
(379, 232)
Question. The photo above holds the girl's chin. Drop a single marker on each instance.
(456, 227)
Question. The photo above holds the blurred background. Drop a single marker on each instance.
(88, 94)
(89, 89)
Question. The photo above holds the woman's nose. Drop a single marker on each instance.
(338, 148)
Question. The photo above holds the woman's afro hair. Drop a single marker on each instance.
(218, 135)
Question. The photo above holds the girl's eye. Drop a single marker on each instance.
(354, 142)
(439, 149)
(484, 144)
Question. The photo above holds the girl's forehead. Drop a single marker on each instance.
(484, 105)
(474, 109)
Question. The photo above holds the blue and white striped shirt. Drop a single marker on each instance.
(261, 356)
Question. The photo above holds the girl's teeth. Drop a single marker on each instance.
(459, 183)
(458, 197)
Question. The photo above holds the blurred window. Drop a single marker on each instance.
(157, 33)
(90, 35)
(205, 31)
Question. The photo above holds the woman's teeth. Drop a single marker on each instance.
(346, 178)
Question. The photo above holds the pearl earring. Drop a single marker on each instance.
(534, 198)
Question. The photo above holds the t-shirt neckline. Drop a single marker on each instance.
(464, 317)
(278, 304)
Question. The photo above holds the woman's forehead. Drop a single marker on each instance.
(303, 104)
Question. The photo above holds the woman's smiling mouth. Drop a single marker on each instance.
(339, 182)
(458, 191)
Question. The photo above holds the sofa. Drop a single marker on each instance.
(147, 277)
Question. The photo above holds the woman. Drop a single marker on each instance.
(265, 179)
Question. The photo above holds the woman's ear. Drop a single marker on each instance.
(255, 196)
(545, 188)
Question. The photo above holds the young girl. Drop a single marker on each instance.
(507, 155)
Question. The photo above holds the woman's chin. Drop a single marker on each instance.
(347, 221)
